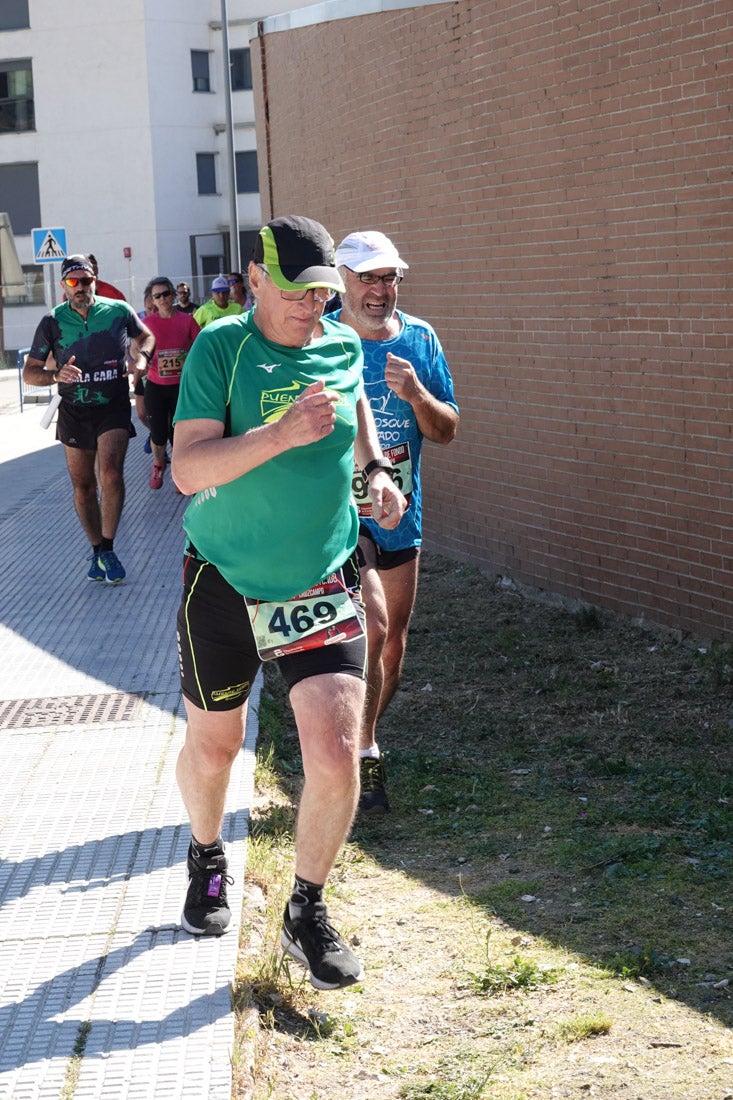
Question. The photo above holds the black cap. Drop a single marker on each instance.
(77, 263)
(297, 252)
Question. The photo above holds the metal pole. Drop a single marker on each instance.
(234, 258)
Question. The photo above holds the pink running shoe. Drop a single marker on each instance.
(156, 477)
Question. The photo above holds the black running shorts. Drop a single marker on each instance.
(80, 426)
(387, 559)
(218, 658)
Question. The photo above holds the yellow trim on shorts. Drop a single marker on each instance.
(202, 566)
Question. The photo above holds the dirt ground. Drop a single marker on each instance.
(546, 911)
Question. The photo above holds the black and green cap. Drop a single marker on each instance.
(298, 254)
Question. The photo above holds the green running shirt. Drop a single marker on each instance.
(287, 524)
(99, 344)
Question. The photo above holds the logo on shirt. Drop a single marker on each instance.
(275, 403)
(269, 367)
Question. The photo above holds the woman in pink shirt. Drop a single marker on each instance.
(174, 333)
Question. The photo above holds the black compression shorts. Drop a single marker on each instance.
(387, 559)
(218, 658)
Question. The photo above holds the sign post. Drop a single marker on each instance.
(49, 247)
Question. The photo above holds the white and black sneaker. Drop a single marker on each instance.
(313, 942)
(206, 911)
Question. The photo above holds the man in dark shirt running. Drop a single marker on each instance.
(85, 341)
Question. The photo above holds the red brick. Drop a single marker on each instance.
(558, 177)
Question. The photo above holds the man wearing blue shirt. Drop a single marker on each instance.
(410, 390)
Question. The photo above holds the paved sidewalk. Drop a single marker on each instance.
(93, 834)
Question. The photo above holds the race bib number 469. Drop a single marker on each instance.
(321, 616)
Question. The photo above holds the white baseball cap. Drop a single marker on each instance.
(368, 251)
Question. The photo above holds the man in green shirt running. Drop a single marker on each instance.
(270, 418)
(218, 304)
(92, 344)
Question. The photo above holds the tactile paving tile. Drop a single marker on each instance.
(93, 834)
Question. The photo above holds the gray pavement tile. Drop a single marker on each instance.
(93, 835)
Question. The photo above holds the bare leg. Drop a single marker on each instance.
(400, 589)
(389, 596)
(111, 450)
(80, 465)
(328, 714)
(213, 740)
(376, 629)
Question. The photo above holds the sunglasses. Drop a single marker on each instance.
(163, 294)
(87, 280)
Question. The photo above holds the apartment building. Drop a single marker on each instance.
(113, 127)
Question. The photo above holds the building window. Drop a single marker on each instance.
(34, 293)
(247, 238)
(206, 173)
(200, 70)
(241, 70)
(14, 15)
(20, 196)
(211, 266)
(247, 178)
(16, 97)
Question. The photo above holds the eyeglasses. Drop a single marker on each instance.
(235, 282)
(87, 280)
(371, 279)
(320, 294)
(163, 294)
(326, 294)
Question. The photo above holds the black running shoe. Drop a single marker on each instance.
(315, 943)
(206, 912)
(373, 798)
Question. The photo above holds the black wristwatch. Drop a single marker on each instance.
(378, 464)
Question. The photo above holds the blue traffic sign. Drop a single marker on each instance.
(49, 245)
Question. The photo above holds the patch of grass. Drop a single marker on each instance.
(640, 962)
(73, 1069)
(519, 974)
(588, 619)
(457, 1079)
(580, 762)
(586, 1025)
(716, 663)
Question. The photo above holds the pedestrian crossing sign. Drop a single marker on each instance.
(49, 245)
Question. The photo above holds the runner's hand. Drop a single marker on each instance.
(70, 371)
(399, 374)
(311, 416)
(388, 503)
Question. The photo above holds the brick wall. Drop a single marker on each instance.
(560, 182)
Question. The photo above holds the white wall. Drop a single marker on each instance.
(118, 129)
